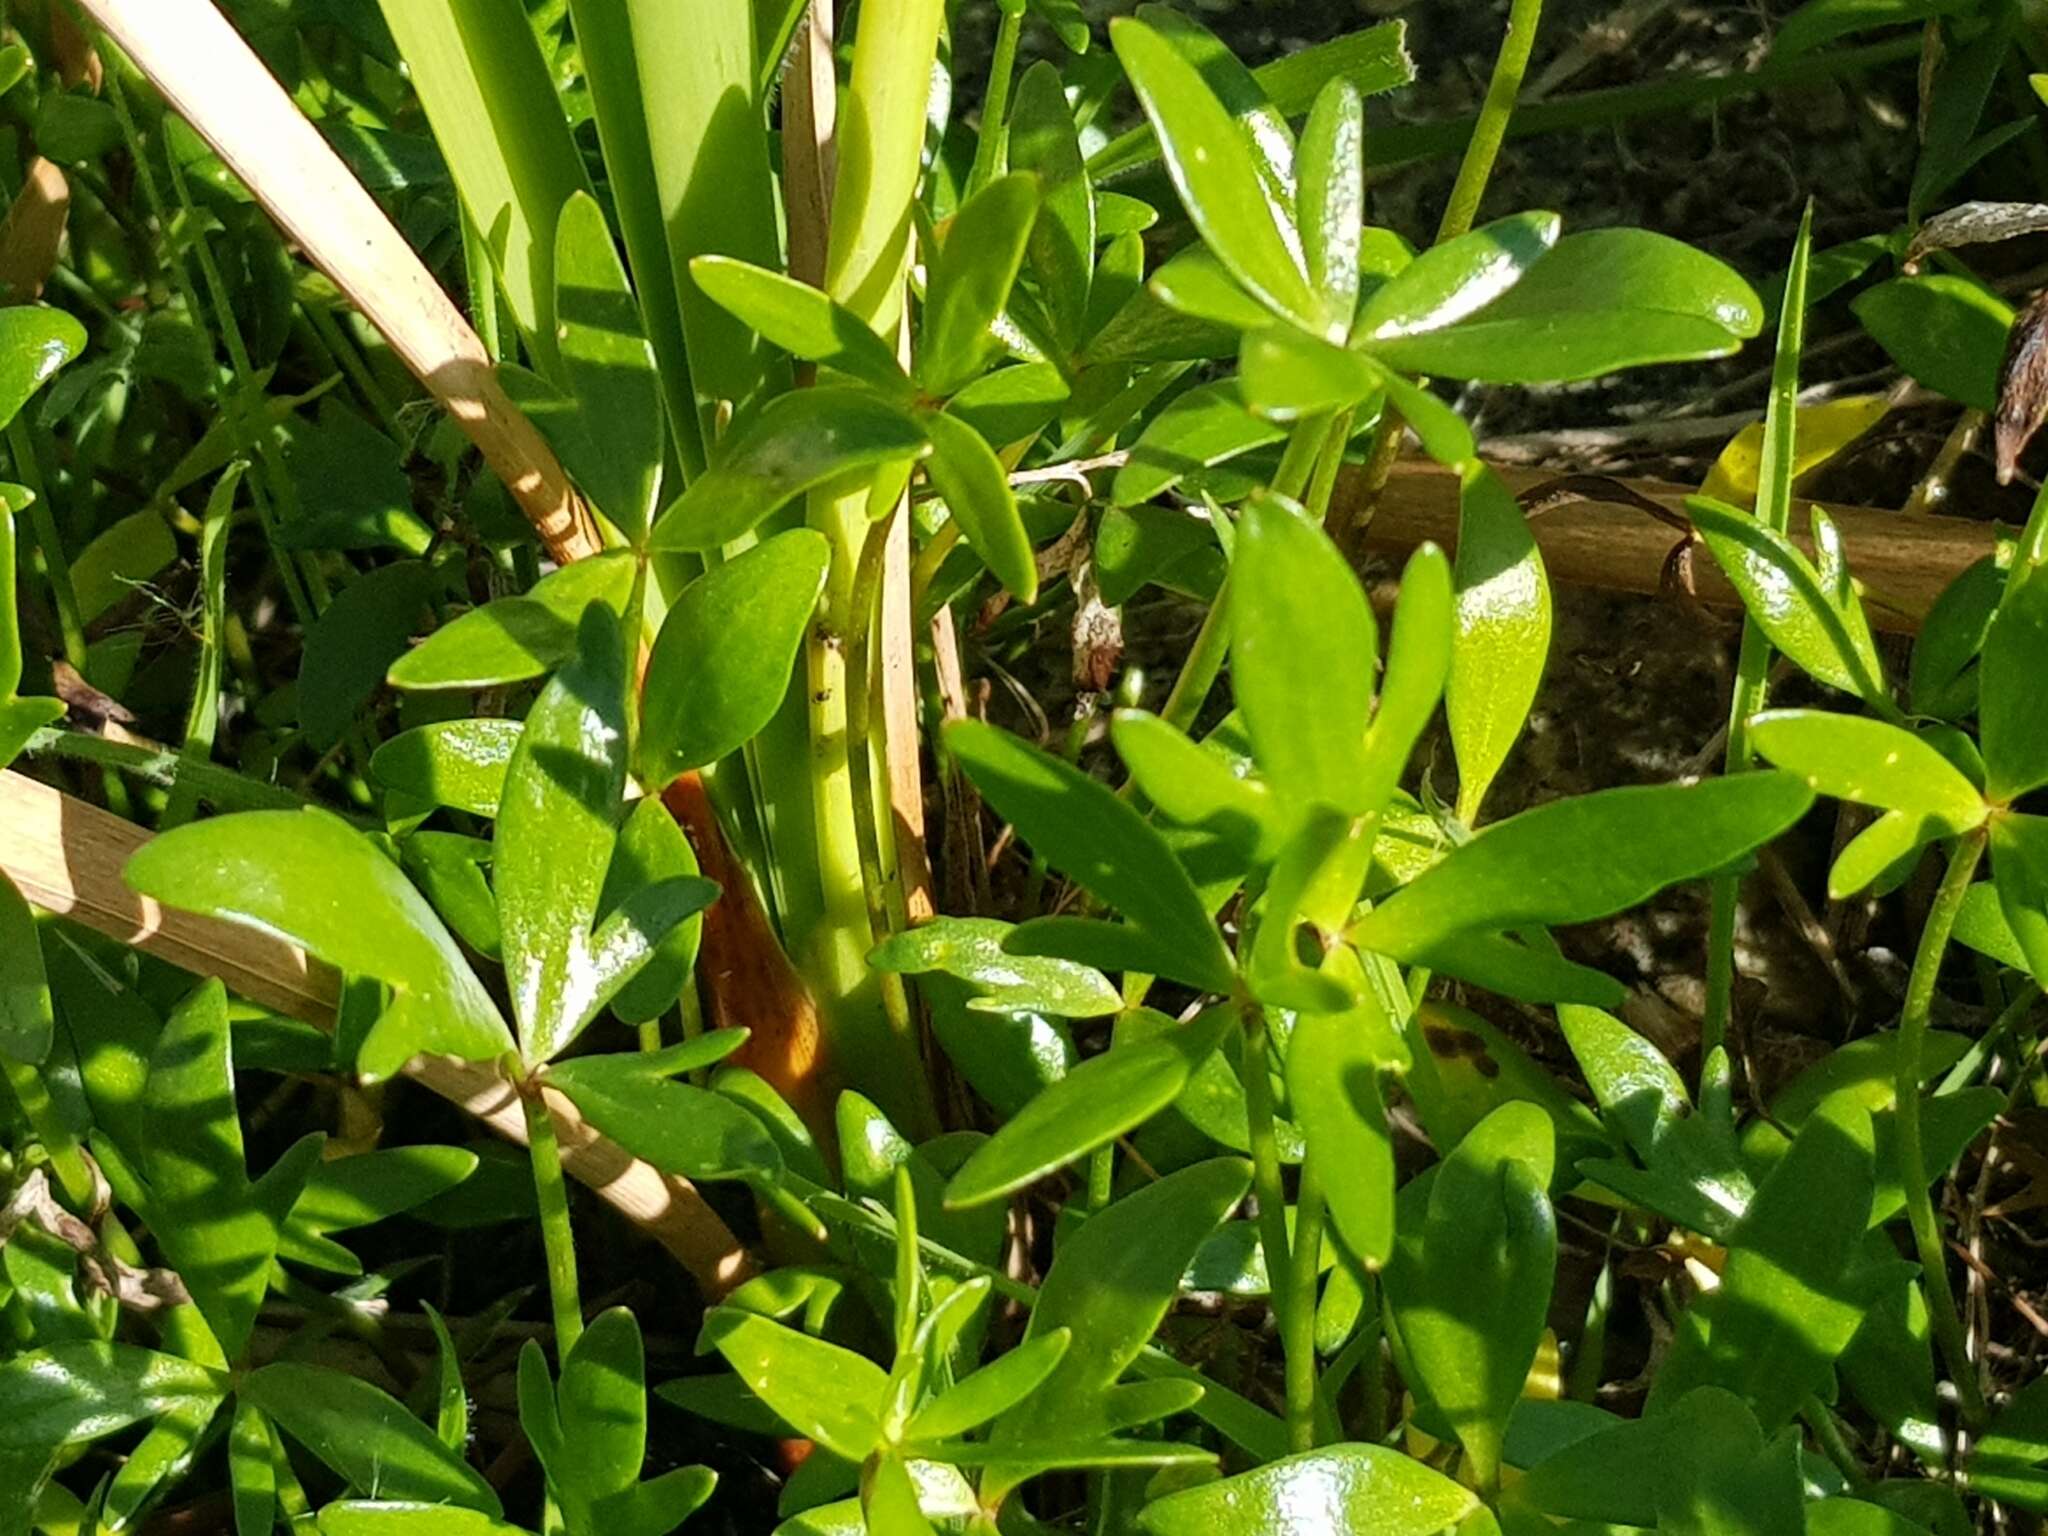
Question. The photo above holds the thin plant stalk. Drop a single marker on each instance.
(1298, 1309)
(551, 1191)
(1909, 1054)
(1265, 1147)
(1483, 148)
(42, 521)
(995, 106)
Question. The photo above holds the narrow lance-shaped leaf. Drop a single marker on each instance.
(515, 638)
(970, 282)
(1333, 1085)
(19, 718)
(1061, 249)
(801, 320)
(1460, 277)
(313, 878)
(800, 441)
(82, 1390)
(823, 1391)
(966, 471)
(2012, 675)
(971, 948)
(1338, 1488)
(1330, 192)
(1587, 857)
(1090, 835)
(1503, 634)
(1870, 762)
(27, 1020)
(721, 664)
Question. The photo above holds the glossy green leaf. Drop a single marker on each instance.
(824, 1392)
(1781, 589)
(994, 1389)
(1795, 1286)
(971, 948)
(27, 1021)
(313, 878)
(969, 286)
(1333, 1085)
(219, 1229)
(19, 718)
(721, 664)
(457, 763)
(609, 366)
(1196, 283)
(1210, 156)
(393, 1517)
(451, 1397)
(1061, 250)
(1880, 853)
(1010, 405)
(1090, 835)
(801, 319)
(800, 441)
(890, 1501)
(348, 1192)
(131, 553)
(1110, 1285)
(1208, 425)
(965, 470)
(1198, 786)
(1502, 613)
(1470, 1297)
(1419, 651)
(2010, 714)
(1449, 282)
(1586, 857)
(1338, 1488)
(601, 1405)
(1946, 331)
(84, 1389)
(515, 638)
(683, 1130)
(252, 1474)
(2019, 861)
(1870, 762)
(1601, 301)
(1303, 651)
(35, 341)
(1330, 192)
(1096, 1102)
(652, 850)
(366, 1436)
(1286, 375)
(1637, 1088)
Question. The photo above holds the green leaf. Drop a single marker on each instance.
(964, 470)
(381, 1517)
(799, 442)
(1419, 652)
(825, 1393)
(515, 638)
(1454, 280)
(1338, 1488)
(457, 763)
(1090, 835)
(68, 1393)
(219, 1230)
(1637, 1088)
(35, 341)
(1502, 614)
(27, 1022)
(1795, 1286)
(1208, 425)
(348, 1192)
(1331, 192)
(1950, 637)
(1470, 1296)
(1061, 250)
(1600, 301)
(2019, 860)
(2013, 723)
(1096, 1102)
(1197, 284)
(652, 851)
(1286, 375)
(1947, 332)
(971, 948)
(312, 878)
(1110, 1285)
(970, 282)
(354, 642)
(802, 320)
(1333, 1084)
(1583, 858)
(721, 664)
(1010, 405)
(131, 553)
(252, 1474)
(682, 1130)
(1198, 786)
(1210, 157)
(1303, 650)
(994, 1389)
(608, 366)
(352, 487)
(601, 1404)
(1822, 21)
(451, 1397)
(366, 1436)
(19, 718)
(891, 1501)
(1870, 762)
(1823, 632)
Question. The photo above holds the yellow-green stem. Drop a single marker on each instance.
(1908, 1056)
(1298, 1309)
(995, 107)
(1487, 134)
(551, 1192)
(1265, 1145)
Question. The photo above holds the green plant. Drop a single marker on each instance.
(640, 835)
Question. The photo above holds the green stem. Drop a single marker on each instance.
(1298, 1312)
(1492, 127)
(1298, 460)
(1992, 1041)
(557, 1238)
(222, 788)
(1324, 481)
(995, 106)
(1204, 661)
(42, 520)
(1265, 1144)
(1725, 892)
(1909, 1053)
(1827, 1434)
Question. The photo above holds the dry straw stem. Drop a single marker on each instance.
(217, 84)
(1902, 562)
(66, 857)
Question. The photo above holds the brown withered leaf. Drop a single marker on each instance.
(33, 232)
(1982, 223)
(2022, 387)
